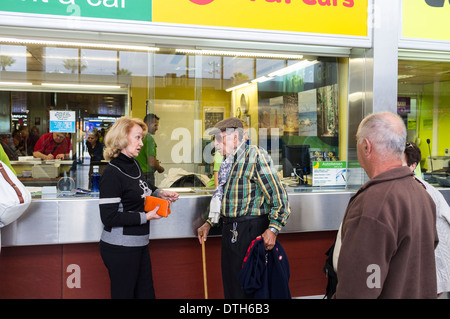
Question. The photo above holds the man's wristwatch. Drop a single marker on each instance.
(274, 230)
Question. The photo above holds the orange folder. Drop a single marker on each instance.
(164, 205)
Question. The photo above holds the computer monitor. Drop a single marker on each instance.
(297, 162)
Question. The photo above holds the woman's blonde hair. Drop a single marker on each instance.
(116, 136)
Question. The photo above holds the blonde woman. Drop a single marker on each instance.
(123, 188)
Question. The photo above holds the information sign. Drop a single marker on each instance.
(329, 173)
(62, 121)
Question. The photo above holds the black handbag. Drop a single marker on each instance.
(328, 269)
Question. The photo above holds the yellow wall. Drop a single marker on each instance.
(209, 98)
(139, 97)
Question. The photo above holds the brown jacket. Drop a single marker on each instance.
(388, 240)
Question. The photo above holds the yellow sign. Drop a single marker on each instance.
(340, 17)
(426, 19)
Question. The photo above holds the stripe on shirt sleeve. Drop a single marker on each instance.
(112, 200)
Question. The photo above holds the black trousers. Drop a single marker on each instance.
(248, 228)
(130, 271)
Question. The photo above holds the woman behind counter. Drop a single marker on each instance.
(125, 237)
(94, 147)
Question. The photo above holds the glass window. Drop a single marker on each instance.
(62, 60)
(98, 62)
(13, 58)
(424, 104)
(284, 100)
(133, 63)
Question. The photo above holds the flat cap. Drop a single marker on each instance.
(229, 123)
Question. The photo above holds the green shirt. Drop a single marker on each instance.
(217, 162)
(148, 149)
(254, 188)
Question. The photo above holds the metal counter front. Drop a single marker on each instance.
(77, 220)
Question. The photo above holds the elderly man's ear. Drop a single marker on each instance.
(367, 147)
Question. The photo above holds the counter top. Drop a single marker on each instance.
(63, 220)
(38, 161)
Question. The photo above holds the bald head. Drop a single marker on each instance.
(386, 131)
(381, 139)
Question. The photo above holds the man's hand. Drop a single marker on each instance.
(269, 239)
(160, 169)
(202, 232)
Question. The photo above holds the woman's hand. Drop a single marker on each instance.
(168, 195)
(152, 214)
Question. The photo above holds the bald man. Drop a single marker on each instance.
(388, 234)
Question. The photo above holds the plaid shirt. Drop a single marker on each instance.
(254, 188)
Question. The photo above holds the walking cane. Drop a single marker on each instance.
(205, 282)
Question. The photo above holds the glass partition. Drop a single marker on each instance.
(283, 99)
(424, 104)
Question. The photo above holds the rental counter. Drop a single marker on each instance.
(66, 220)
(41, 249)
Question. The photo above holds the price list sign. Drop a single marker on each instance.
(62, 121)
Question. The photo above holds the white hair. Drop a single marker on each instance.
(386, 131)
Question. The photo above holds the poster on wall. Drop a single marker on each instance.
(403, 105)
(212, 115)
(290, 111)
(328, 111)
(270, 115)
(307, 113)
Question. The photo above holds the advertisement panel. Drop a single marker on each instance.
(426, 19)
(336, 17)
(137, 10)
(340, 17)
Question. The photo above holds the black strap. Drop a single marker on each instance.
(56, 146)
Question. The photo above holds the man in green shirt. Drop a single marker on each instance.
(250, 200)
(214, 181)
(147, 155)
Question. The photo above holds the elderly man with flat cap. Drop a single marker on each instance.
(250, 201)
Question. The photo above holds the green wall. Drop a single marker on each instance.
(426, 122)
